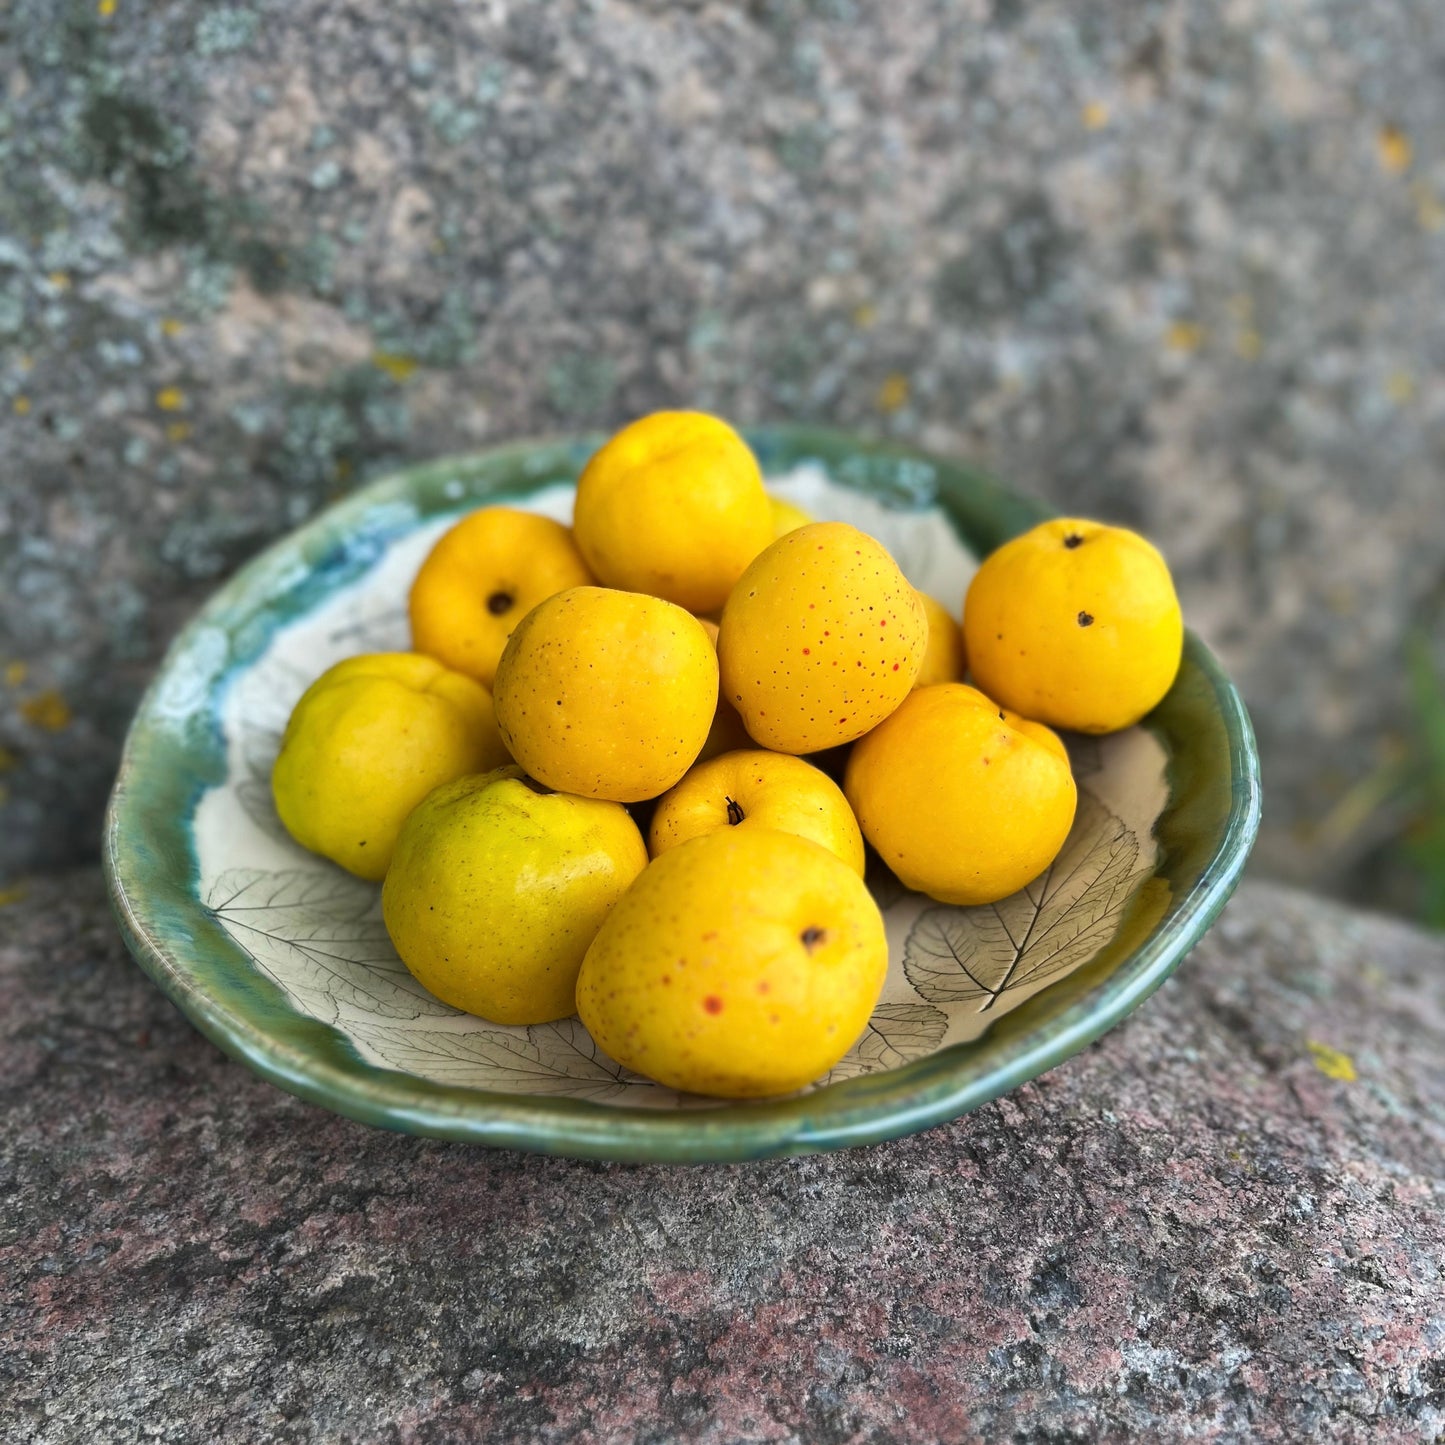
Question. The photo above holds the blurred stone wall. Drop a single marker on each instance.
(1177, 264)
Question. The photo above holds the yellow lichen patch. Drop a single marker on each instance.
(893, 394)
(105, 9)
(1393, 147)
(16, 672)
(1094, 115)
(59, 280)
(398, 368)
(865, 316)
(8, 760)
(171, 327)
(1184, 336)
(15, 893)
(1429, 211)
(1400, 387)
(21, 406)
(46, 710)
(170, 398)
(177, 431)
(1331, 1062)
(1249, 343)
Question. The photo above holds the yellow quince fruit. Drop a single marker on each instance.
(483, 576)
(758, 789)
(606, 694)
(820, 640)
(368, 740)
(963, 800)
(497, 888)
(1075, 623)
(741, 963)
(944, 660)
(674, 506)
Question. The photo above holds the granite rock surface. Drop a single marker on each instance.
(1172, 263)
(1225, 1221)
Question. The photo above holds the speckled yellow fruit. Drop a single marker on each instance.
(497, 889)
(820, 640)
(963, 800)
(482, 577)
(944, 660)
(742, 963)
(369, 739)
(758, 789)
(606, 694)
(1076, 624)
(786, 516)
(673, 505)
(727, 733)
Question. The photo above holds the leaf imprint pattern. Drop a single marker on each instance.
(896, 1034)
(557, 1059)
(978, 955)
(320, 938)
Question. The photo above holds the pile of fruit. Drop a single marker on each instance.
(697, 658)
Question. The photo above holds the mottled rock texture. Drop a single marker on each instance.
(1175, 263)
(1226, 1221)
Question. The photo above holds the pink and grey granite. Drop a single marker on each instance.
(1226, 1221)
(1171, 262)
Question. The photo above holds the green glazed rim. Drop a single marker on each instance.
(175, 752)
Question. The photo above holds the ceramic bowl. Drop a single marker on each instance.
(282, 960)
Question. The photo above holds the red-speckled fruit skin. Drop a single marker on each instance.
(742, 963)
(821, 639)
